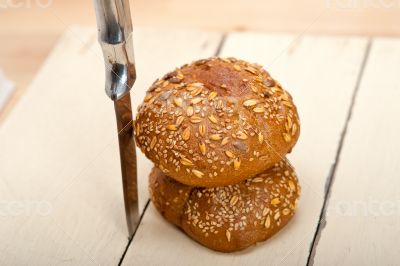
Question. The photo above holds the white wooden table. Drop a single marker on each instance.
(60, 188)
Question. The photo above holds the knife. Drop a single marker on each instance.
(115, 37)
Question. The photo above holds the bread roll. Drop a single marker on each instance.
(229, 218)
(216, 122)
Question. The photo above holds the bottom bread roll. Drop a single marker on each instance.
(229, 218)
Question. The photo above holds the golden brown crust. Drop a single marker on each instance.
(234, 217)
(168, 196)
(216, 122)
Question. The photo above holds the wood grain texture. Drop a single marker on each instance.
(321, 74)
(29, 32)
(363, 224)
(59, 149)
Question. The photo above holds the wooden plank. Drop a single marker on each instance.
(59, 151)
(321, 74)
(363, 225)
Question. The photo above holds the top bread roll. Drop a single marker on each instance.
(216, 122)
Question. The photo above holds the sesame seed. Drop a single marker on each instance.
(285, 211)
(237, 68)
(258, 180)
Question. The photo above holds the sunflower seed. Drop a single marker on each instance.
(202, 130)
(240, 146)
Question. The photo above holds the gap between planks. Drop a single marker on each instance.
(217, 52)
(331, 178)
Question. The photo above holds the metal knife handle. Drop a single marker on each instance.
(115, 36)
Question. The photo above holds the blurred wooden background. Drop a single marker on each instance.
(29, 28)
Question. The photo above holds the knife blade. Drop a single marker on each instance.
(115, 37)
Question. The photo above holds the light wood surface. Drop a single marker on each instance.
(309, 68)
(59, 149)
(363, 224)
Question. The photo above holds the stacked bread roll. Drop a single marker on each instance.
(218, 131)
